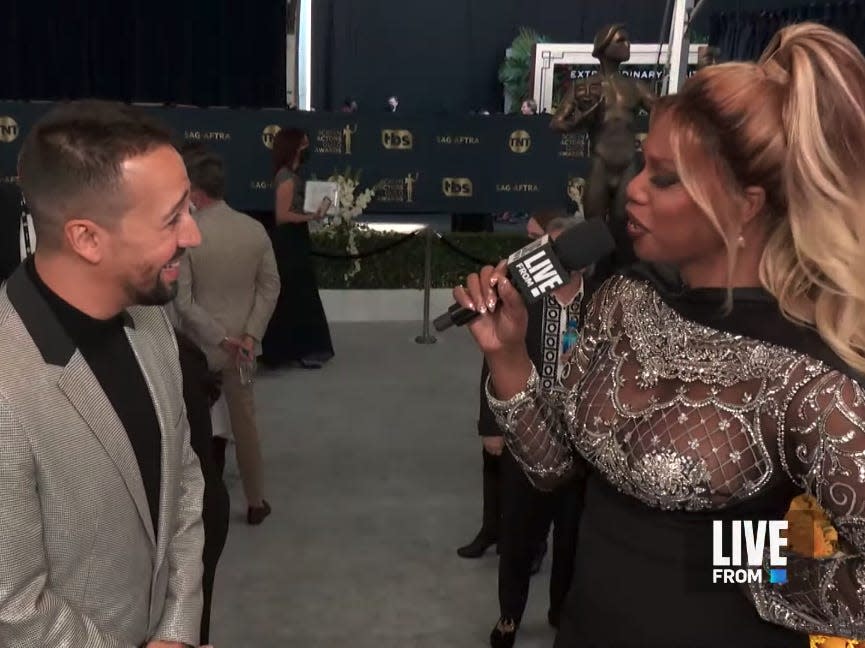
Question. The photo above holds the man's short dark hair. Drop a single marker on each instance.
(205, 169)
(71, 160)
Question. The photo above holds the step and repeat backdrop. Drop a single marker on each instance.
(471, 164)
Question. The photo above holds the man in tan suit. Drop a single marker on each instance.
(100, 491)
(227, 292)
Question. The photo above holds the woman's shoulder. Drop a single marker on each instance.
(283, 175)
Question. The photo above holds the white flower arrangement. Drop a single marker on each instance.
(350, 207)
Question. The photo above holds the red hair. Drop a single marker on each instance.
(286, 144)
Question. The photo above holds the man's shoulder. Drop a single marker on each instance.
(242, 221)
(7, 319)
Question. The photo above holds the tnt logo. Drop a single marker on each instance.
(400, 140)
(457, 187)
(520, 141)
(8, 129)
(268, 135)
(730, 539)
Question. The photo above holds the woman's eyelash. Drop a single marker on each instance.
(662, 181)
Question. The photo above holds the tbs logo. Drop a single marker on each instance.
(401, 140)
(730, 538)
(457, 187)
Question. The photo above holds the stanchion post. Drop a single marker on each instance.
(425, 337)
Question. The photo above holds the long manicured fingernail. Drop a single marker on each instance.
(494, 280)
(472, 306)
(483, 310)
(492, 305)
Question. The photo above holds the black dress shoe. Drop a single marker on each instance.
(255, 514)
(504, 634)
(477, 547)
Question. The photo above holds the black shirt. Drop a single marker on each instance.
(107, 350)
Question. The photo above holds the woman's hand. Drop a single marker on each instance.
(493, 445)
(501, 328)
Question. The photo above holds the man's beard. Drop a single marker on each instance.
(159, 295)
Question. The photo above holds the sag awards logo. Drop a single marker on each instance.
(335, 141)
(397, 140)
(207, 136)
(520, 141)
(397, 190)
(574, 145)
(457, 187)
(8, 129)
(8, 179)
(268, 135)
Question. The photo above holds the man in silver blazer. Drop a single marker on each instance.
(227, 291)
(100, 491)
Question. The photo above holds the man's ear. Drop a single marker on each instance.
(86, 239)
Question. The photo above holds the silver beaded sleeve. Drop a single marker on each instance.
(823, 449)
(536, 422)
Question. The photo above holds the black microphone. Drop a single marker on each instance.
(544, 265)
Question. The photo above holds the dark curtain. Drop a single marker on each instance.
(200, 52)
(444, 56)
(742, 34)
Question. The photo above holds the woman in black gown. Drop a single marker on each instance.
(298, 331)
(709, 402)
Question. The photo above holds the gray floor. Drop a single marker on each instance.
(373, 469)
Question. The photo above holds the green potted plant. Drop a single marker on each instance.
(515, 70)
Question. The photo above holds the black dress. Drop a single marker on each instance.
(686, 416)
(298, 330)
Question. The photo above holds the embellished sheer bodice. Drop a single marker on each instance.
(687, 417)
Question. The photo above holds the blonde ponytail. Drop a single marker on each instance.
(814, 262)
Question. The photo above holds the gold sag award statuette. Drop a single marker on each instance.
(347, 132)
(268, 134)
(457, 187)
(409, 181)
(520, 141)
(399, 140)
(8, 129)
(576, 190)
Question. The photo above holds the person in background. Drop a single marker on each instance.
(227, 291)
(201, 388)
(349, 105)
(525, 512)
(298, 331)
(392, 104)
(10, 229)
(529, 107)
